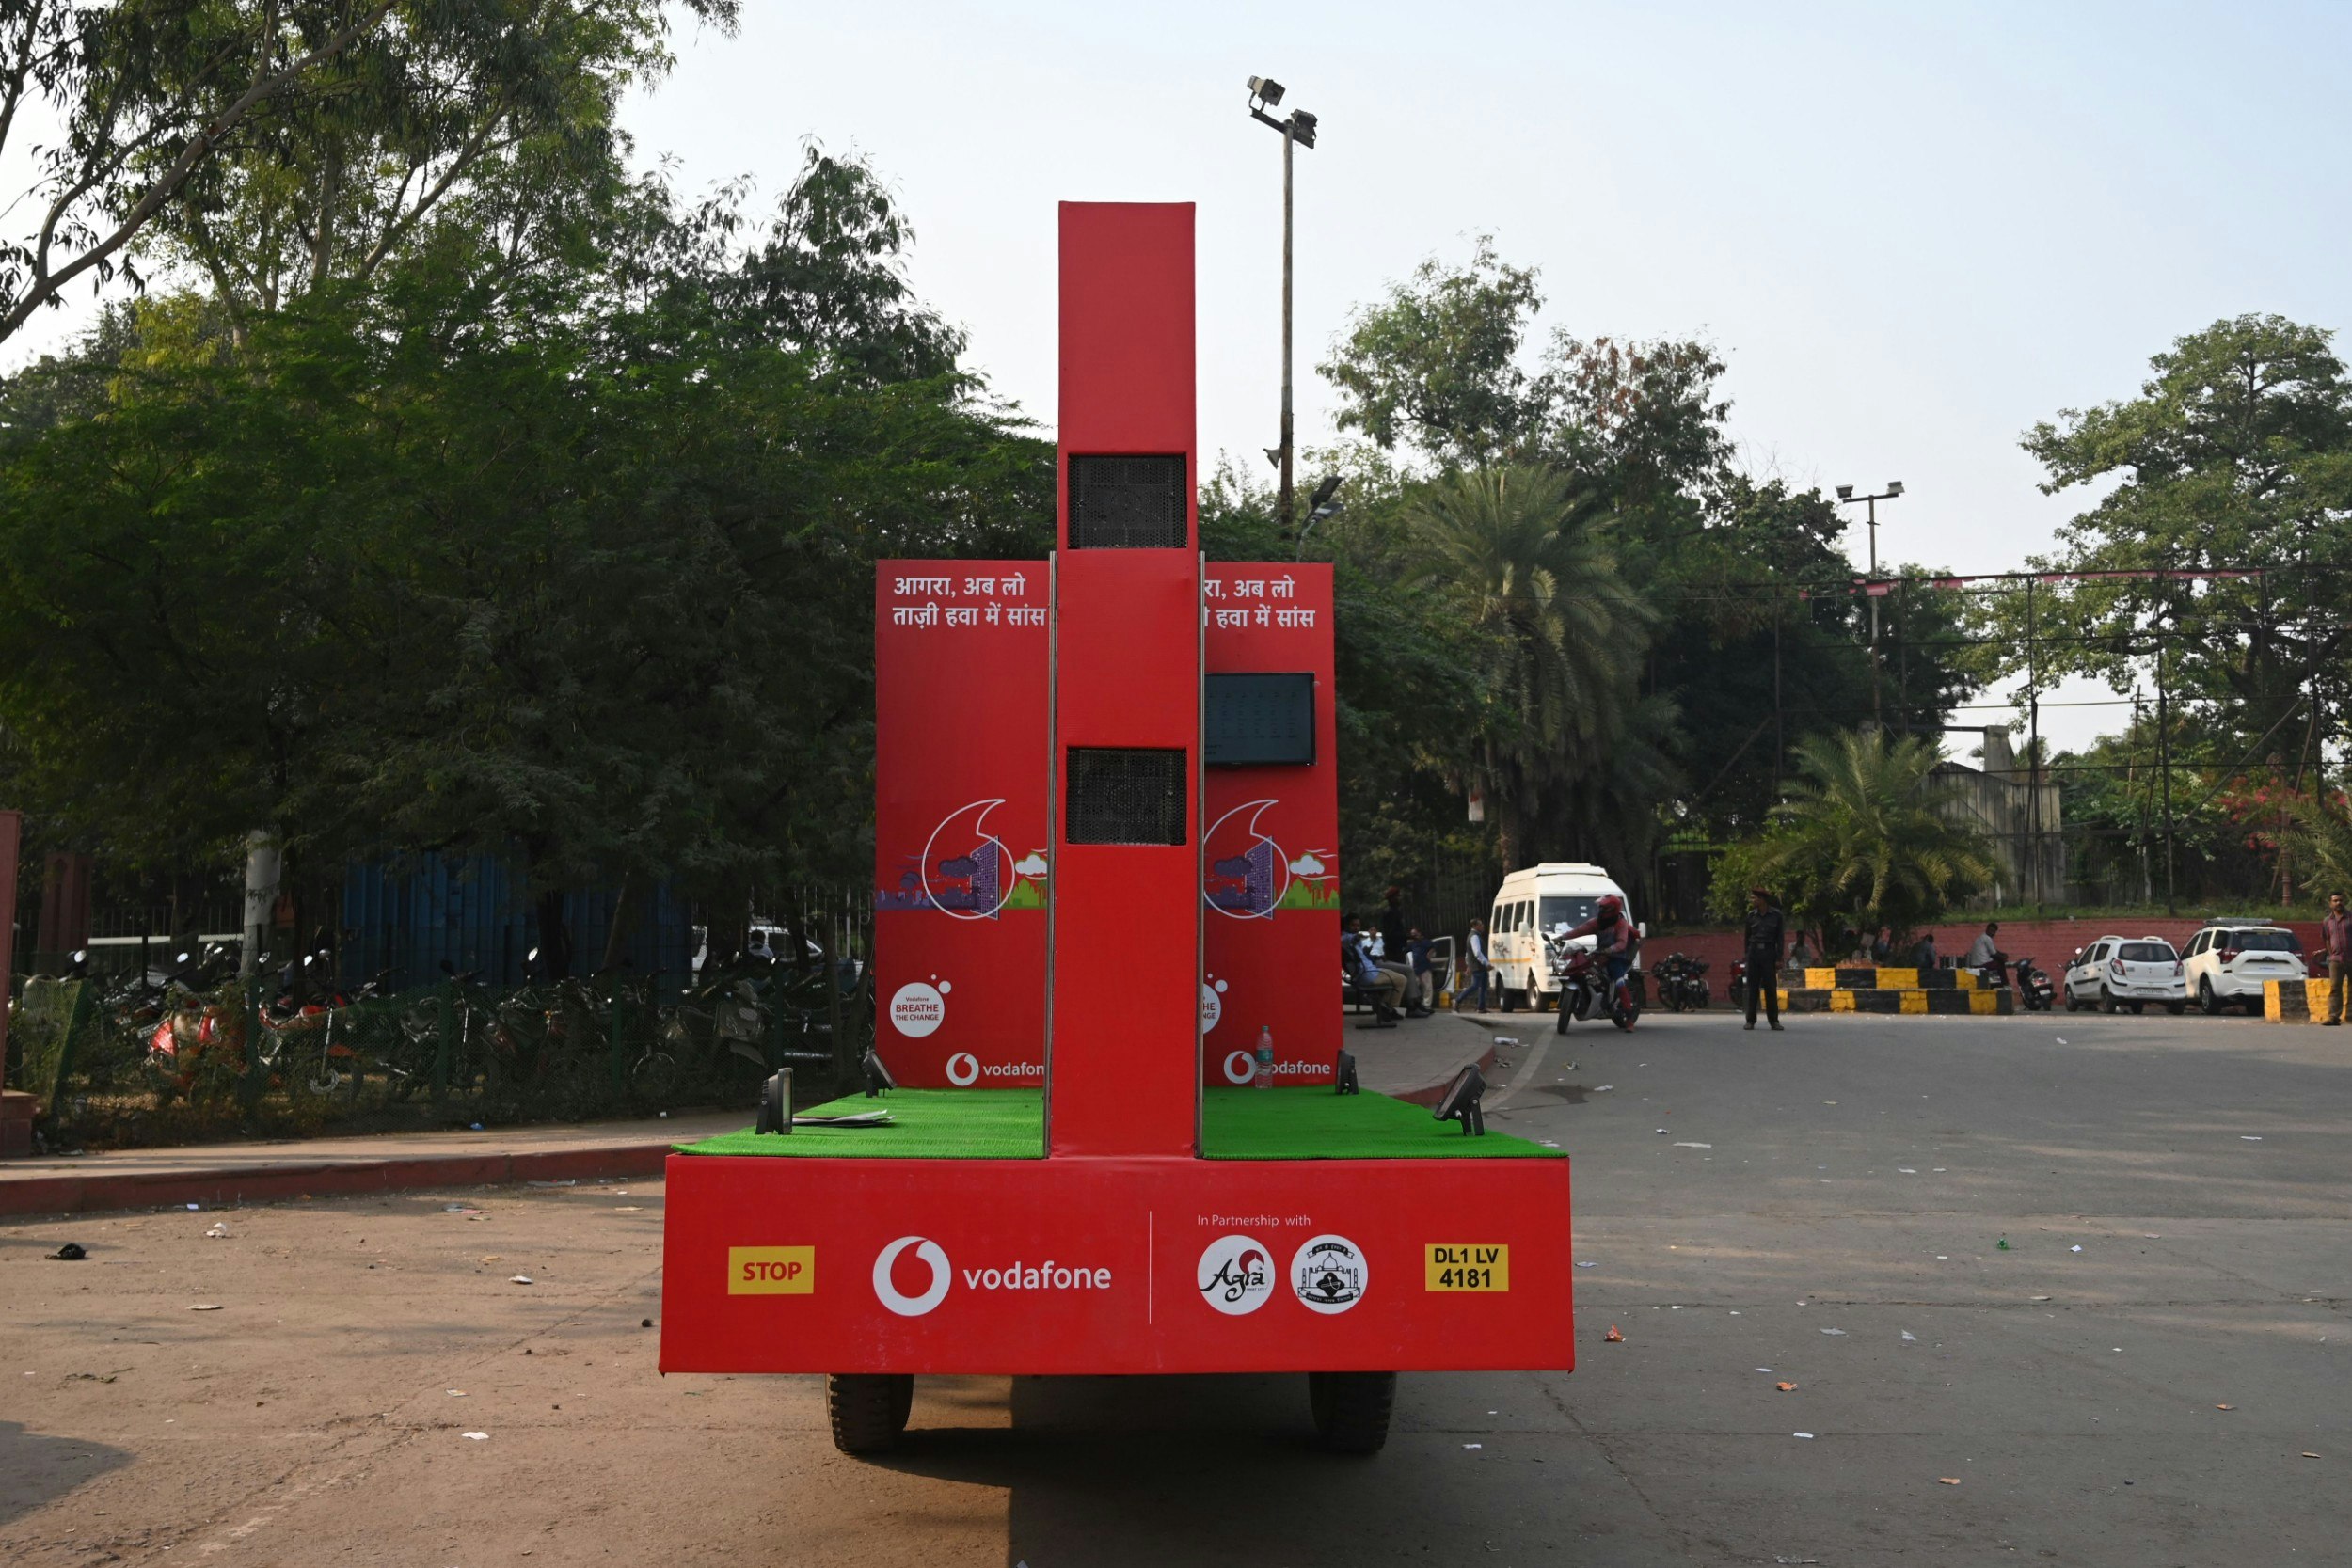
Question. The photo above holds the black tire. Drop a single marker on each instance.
(868, 1410)
(1560, 1024)
(2139, 1007)
(1704, 998)
(2206, 1001)
(2176, 1008)
(1351, 1409)
(2073, 1005)
(2254, 1006)
(2106, 998)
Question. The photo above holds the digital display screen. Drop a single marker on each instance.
(1257, 721)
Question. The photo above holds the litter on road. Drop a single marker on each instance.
(477, 1437)
(1909, 1337)
(1948, 1480)
(1785, 1388)
(521, 1279)
(1805, 1435)
(73, 1252)
(1838, 1331)
(1613, 1337)
(205, 1306)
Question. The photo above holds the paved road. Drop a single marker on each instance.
(1854, 1175)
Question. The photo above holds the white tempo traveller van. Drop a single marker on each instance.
(1555, 895)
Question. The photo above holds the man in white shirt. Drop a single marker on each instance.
(1982, 950)
(1475, 981)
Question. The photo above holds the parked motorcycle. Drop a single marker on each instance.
(1680, 986)
(2035, 988)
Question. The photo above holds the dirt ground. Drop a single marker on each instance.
(1828, 1204)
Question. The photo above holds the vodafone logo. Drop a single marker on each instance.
(926, 1251)
(963, 1069)
(1239, 1067)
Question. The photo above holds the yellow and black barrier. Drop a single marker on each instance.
(2297, 1001)
(1947, 992)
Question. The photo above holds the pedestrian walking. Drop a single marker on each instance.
(1476, 980)
(2336, 931)
(1764, 935)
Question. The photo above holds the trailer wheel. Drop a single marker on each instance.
(1351, 1409)
(868, 1410)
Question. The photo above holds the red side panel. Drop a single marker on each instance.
(1270, 873)
(961, 755)
(1106, 1266)
(1122, 1071)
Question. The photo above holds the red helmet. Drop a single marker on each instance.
(1610, 902)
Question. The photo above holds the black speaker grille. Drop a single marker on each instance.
(1127, 503)
(1126, 796)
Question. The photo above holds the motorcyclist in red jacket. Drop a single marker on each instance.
(1612, 936)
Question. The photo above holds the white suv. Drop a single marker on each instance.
(2229, 962)
(2121, 971)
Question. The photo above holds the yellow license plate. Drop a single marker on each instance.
(1469, 1268)
(771, 1270)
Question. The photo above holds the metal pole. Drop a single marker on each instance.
(1283, 506)
(2033, 755)
(2164, 763)
(1877, 719)
(1780, 744)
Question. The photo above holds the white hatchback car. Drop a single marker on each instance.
(2227, 962)
(2127, 971)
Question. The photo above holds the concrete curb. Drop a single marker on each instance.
(82, 1194)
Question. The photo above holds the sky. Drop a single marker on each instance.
(1911, 231)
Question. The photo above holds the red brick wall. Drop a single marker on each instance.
(2049, 943)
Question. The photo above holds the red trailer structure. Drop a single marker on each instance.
(1088, 904)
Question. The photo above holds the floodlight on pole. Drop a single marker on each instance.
(1321, 505)
(1298, 129)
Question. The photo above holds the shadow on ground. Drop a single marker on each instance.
(38, 1467)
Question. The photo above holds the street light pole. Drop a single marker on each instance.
(1845, 497)
(1283, 504)
(1298, 129)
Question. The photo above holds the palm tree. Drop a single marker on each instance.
(1867, 830)
(1556, 629)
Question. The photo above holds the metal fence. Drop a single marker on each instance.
(128, 1064)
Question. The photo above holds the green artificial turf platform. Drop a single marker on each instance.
(1236, 1124)
(926, 1124)
(1316, 1124)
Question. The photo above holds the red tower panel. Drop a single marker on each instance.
(1122, 1074)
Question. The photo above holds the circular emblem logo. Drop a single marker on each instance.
(963, 1069)
(1328, 1274)
(1237, 1275)
(1212, 1006)
(1240, 1068)
(917, 1009)
(889, 1294)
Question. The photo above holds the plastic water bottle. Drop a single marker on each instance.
(1266, 1058)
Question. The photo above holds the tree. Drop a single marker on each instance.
(2235, 457)
(276, 143)
(578, 569)
(1434, 366)
(1864, 833)
(1559, 631)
